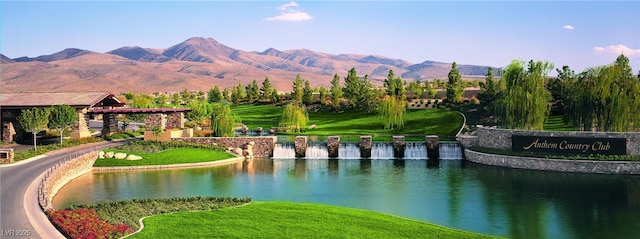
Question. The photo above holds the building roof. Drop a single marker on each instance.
(137, 111)
(76, 99)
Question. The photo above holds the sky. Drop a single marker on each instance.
(579, 34)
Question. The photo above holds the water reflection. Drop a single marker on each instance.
(491, 200)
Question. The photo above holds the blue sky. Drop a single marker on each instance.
(579, 34)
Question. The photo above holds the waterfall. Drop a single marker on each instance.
(450, 150)
(317, 150)
(348, 151)
(379, 150)
(284, 150)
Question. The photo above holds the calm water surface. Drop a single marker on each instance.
(496, 201)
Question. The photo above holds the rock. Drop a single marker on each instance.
(248, 150)
(109, 155)
(313, 126)
(133, 157)
(272, 131)
(259, 131)
(237, 151)
(230, 149)
(101, 154)
(120, 156)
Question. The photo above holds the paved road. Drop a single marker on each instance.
(16, 179)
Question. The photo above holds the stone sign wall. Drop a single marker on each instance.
(502, 138)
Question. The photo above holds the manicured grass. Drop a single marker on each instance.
(43, 149)
(291, 220)
(265, 116)
(418, 121)
(556, 123)
(171, 156)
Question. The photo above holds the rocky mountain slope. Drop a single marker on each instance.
(199, 64)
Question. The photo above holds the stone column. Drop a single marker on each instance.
(109, 124)
(365, 146)
(433, 146)
(153, 121)
(81, 126)
(333, 143)
(174, 121)
(7, 132)
(399, 145)
(300, 146)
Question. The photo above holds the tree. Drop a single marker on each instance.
(323, 95)
(235, 95)
(606, 98)
(186, 96)
(307, 93)
(297, 93)
(161, 100)
(253, 92)
(489, 93)
(416, 88)
(214, 95)
(455, 86)
(265, 90)
(175, 99)
(294, 117)
(200, 111)
(393, 86)
(61, 117)
(336, 91)
(432, 92)
(525, 102)
(359, 91)
(560, 88)
(34, 120)
(225, 94)
(222, 120)
(274, 96)
(392, 111)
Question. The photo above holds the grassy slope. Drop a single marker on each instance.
(556, 123)
(423, 121)
(291, 220)
(173, 156)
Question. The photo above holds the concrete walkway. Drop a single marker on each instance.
(20, 213)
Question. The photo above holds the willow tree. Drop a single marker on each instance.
(606, 98)
(525, 102)
(392, 111)
(222, 120)
(33, 121)
(294, 117)
(200, 111)
(61, 117)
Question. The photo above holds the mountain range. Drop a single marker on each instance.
(199, 64)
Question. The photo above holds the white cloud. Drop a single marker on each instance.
(568, 27)
(284, 7)
(290, 15)
(617, 50)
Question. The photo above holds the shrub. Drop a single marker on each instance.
(85, 223)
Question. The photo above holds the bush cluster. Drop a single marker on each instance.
(130, 211)
(150, 146)
(85, 223)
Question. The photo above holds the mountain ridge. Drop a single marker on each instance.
(200, 63)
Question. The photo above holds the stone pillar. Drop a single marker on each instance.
(81, 126)
(433, 146)
(333, 143)
(7, 132)
(6, 155)
(109, 124)
(399, 145)
(174, 121)
(154, 121)
(300, 146)
(365, 146)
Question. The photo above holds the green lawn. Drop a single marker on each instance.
(556, 123)
(171, 156)
(291, 220)
(418, 121)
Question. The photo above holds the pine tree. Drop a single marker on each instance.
(336, 91)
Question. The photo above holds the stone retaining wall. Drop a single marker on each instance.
(62, 173)
(560, 165)
(501, 138)
(263, 147)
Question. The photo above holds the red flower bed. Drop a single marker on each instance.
(85, 223)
